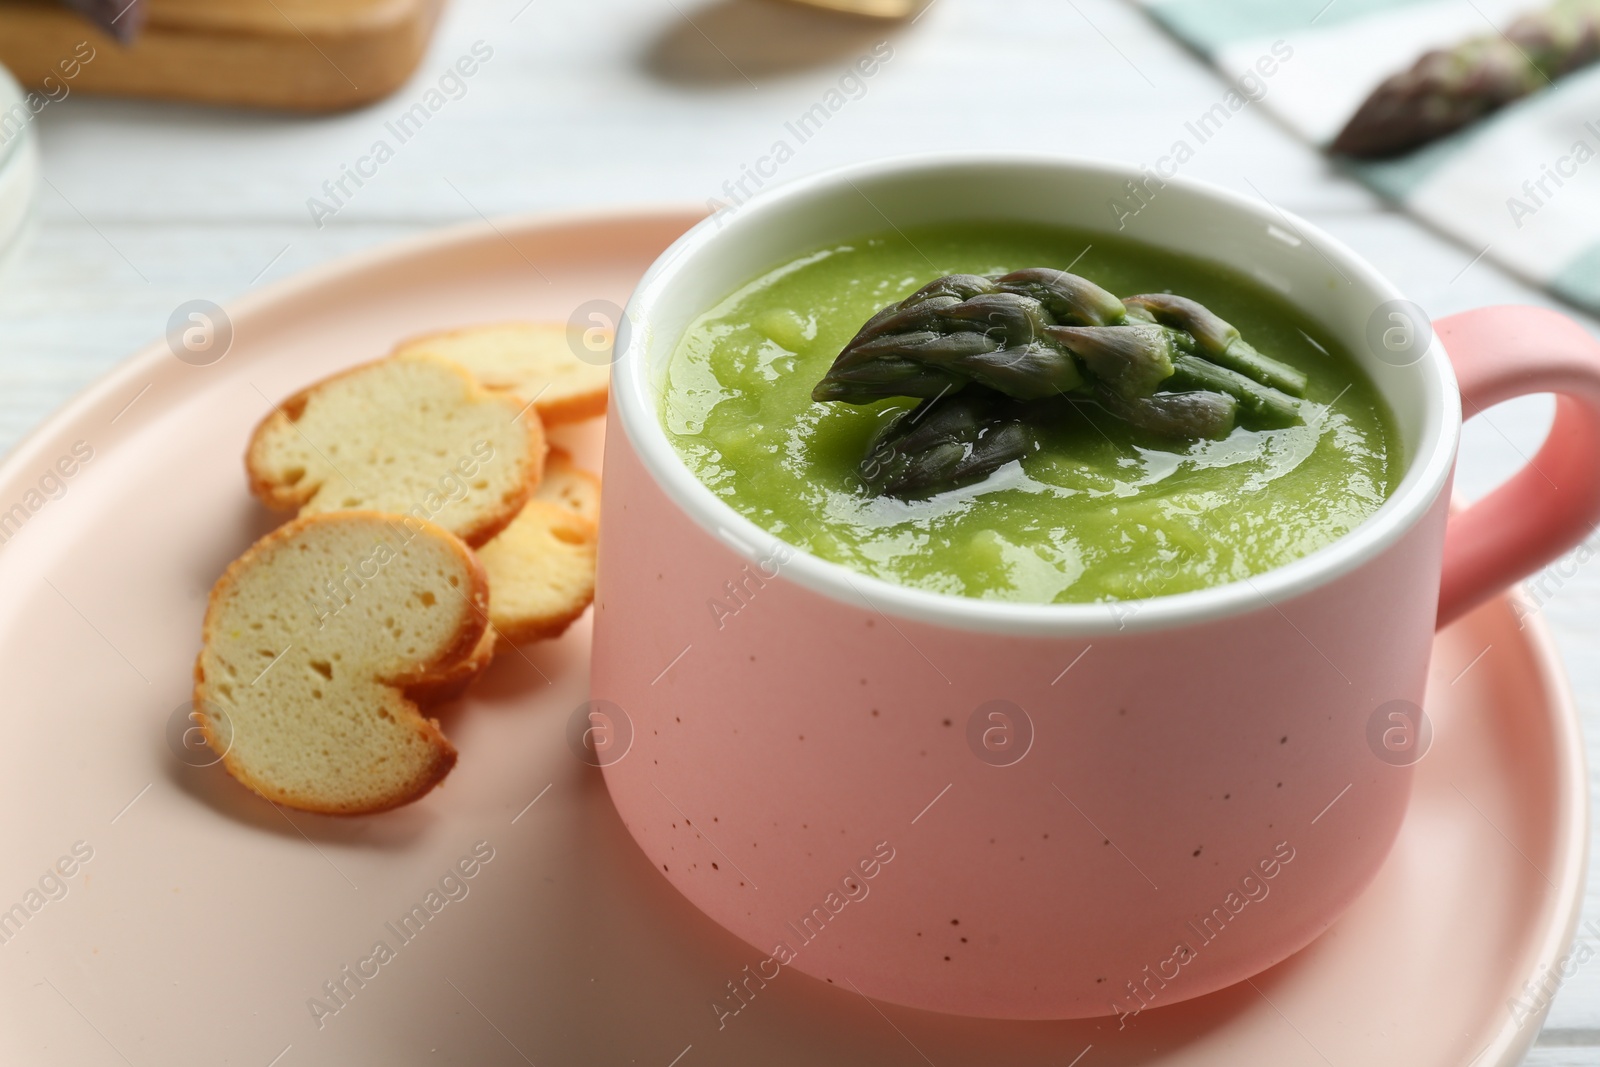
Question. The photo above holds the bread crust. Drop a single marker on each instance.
(551, 626)
(455, 681)
(559, 520)
(572, 409)
(556, 411)
(283, 496)
(439, 668)
(560, 466)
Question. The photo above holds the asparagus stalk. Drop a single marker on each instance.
(1449, 88)
(976, 349)
(992, 338)
(1218, 341)
(947, 442)
(1261, 407)
(1071, 299)
(1198, 414)
(1128, 360)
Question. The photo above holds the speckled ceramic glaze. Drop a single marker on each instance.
(1047, 811)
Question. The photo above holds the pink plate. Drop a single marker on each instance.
(199, 924)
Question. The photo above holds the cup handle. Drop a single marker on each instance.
(1552, 503)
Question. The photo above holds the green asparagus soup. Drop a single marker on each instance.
(1097, 505)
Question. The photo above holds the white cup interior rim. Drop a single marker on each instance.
(636, 403)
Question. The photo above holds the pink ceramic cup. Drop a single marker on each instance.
(1047, 811)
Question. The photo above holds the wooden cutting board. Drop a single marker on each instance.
(303, 55)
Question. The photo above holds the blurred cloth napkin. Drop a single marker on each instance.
(1520, 188)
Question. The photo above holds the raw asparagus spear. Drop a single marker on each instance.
(1449, 88)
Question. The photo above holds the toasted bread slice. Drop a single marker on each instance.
(537, 361)
(567, 484)
(525, 554)
(417, 437)
(311, 640)
(541, 571)
(454, 682)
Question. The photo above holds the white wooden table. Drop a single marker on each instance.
(613, 102)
